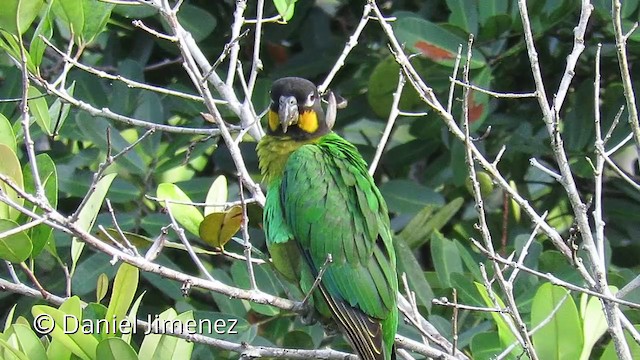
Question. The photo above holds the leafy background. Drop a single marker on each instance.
(422, 173)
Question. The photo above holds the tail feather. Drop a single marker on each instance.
(363, 332)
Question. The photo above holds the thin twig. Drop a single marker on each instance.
(393, 115)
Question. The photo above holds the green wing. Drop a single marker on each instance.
(332, 206)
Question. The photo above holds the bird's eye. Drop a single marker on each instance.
(311, 99)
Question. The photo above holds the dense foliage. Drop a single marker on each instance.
(422, 173)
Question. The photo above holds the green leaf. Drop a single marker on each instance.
(124, 289)
(161, 347)
(557, 339)
(434, 42)
(485, 346)
(467, 291)
(196, 20)
(217, 228)
(95, 129)
(14, 248)
(594, 323)
(11, 44)
(132, 316)
(504, 332)
(609, 352)
(464, 13)
(87, 216)
(490, 8)
(404, 196)
(17, 15)
(224, 326)
(418, 231)
(186, 215)
(382, 85)
(44, 29)
(59, 111)
(84, 18)
(217, 195)
(41, 234)
(446, 258)
(115, 349)
(96, 15)
(102, 286)
(40, 110)
(30, 344)
(10, 167)
(9, 320)
(408, 264)
(7, 136)
(67, 319)
(4, 345)
(285, 8)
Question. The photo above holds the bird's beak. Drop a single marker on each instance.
(288, 111)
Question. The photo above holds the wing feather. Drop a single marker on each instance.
(332, 207)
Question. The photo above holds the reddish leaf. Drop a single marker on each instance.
(432, 51)
(475, 109)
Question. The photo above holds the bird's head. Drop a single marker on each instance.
(296, 111)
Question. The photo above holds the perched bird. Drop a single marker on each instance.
(322, 204)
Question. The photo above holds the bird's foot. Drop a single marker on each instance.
(308, 314)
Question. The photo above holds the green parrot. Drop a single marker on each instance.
(323, 212)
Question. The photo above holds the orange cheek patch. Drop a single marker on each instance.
(274, 121)
(308, 121)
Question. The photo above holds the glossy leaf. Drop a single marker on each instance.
(196, 20)
(186, 215)
(17, 15)
(485, 346)
(161, 347)
(102, 286)
(10, 167)
(446, 258)
(8, 349)
(40, 110)
(217, 195)
(115, 349)
(609, 352)
(7, 136)
(217, 228)
(224, 326)
(285, 8)
(124, 289)
(87, 216)
(504, 332)
(464, 13)
(132, 317)
(557, 339)
(29, 343)
(59, 111)
(382, 85)
(85, 18)
(433, 41)
(14, 248)
(95, 129)
(404, 196)
(594, 323)
(9, 319)
(489, 8)
(67, 318)
(418, 231)
(41, 234)
(44, 29)
(408, 264)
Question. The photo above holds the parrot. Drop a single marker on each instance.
(325, 221)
